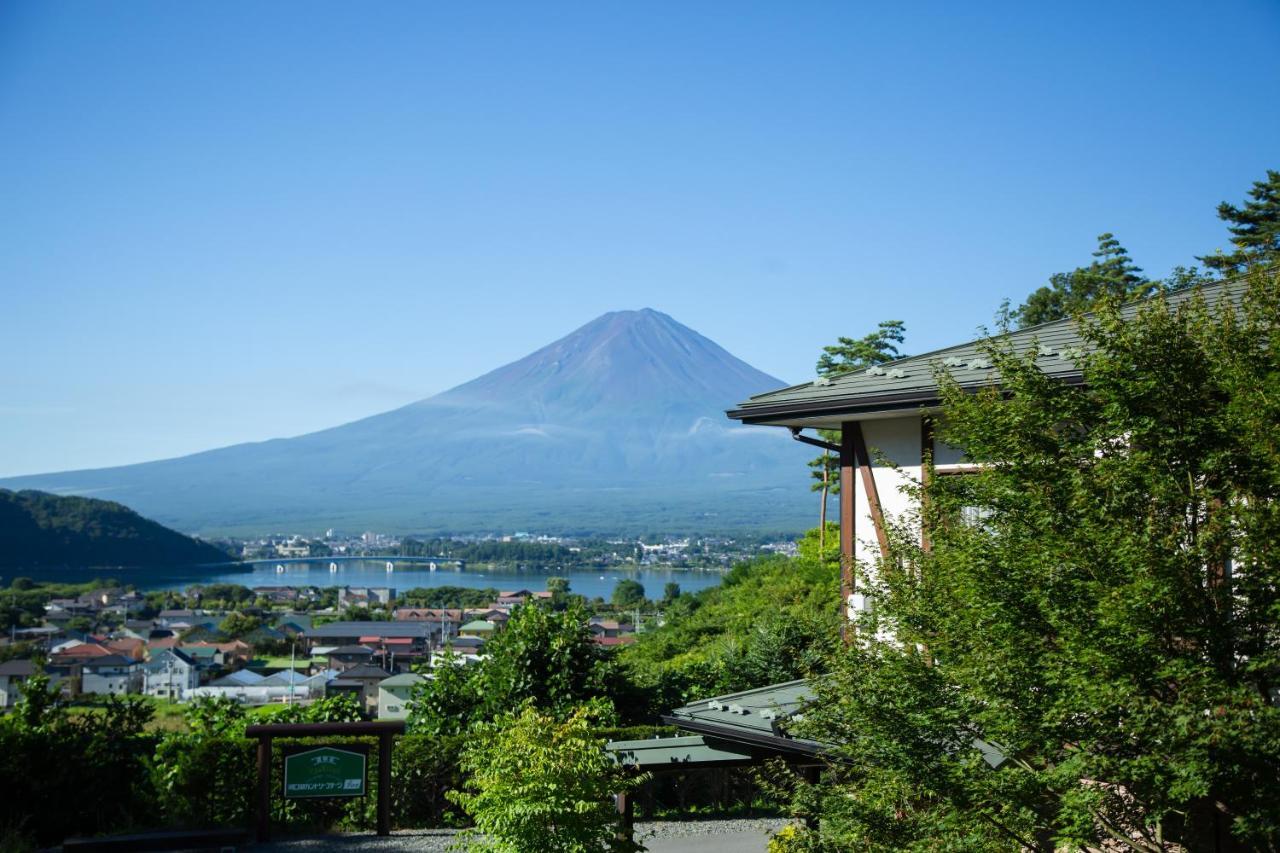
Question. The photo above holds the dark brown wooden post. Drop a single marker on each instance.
(384, 783)
(812, 776)
(847, 524)
(264, 788)
(626, 810)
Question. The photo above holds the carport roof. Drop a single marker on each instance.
(750, 716)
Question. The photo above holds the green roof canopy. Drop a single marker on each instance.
(750, 717)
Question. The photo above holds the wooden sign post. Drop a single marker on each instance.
(325, 770)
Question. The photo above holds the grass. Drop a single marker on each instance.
(167, 715)
(281, 662)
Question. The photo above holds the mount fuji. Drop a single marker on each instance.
(618, 427)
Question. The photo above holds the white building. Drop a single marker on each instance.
(170, 674)
(112, 675)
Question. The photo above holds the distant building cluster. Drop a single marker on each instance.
(180, 654)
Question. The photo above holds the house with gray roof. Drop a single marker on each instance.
(169, 674)
(13, 674)
(111, 675)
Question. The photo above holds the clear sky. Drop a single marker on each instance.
(223, 222)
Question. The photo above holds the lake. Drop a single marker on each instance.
(406, 576)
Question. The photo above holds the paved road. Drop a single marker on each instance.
(696, 836)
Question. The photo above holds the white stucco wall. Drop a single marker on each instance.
(895, 448)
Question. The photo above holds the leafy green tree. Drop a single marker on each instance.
(445, 702)
(670, 592)
(628, 592)
(239, 624)
(1097, 613)
(1112, 274)
(538, 782)
(542, 656)
(1255, 229)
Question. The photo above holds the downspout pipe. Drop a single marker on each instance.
(797, 434)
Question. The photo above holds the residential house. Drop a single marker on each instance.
(13, 674)
(169, 674)
(130, 647)
(138, 628)
(360, 596)
(407, 639)
(514, 598)
(113, 675)
(601, 627)
(482, 628)
(885, 416)
(346, 657)
(394, 694)
(368, 677)
(209, 659)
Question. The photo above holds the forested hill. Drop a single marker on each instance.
(38, 529)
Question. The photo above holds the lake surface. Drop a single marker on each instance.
(406, 576)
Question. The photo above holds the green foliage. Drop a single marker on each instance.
(628, 592)
(1255, 229)
(448, 596)
(239, 624)
(541, 783)
(1108, 618)
(46, 753)
(446, 701)
(424, 769)
(544, 657)
(40, 529)
(202, 776)
(1112, 275)
(771, 619)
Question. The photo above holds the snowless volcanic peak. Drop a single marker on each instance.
(617, 426)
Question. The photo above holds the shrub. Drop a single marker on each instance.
(542, 784)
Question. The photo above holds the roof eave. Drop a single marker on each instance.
(799, 413)
(737, 735)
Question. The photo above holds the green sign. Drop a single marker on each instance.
(325, 771)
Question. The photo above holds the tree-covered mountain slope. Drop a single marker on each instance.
(43, 530)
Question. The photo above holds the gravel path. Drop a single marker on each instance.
(691, 836)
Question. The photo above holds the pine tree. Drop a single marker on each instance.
(1255, 228)
(1111, 274)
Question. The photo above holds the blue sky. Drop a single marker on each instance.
(235, 221)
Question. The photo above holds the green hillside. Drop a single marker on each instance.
(40, 530)
(770, 620)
